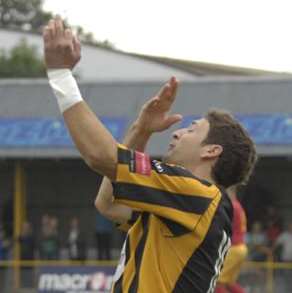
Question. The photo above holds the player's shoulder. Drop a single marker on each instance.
(176, 170)
(178, 174)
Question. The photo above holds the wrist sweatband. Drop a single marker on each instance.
(64, 87)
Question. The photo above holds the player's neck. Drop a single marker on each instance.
(203, 172)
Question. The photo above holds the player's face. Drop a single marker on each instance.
(186, 146)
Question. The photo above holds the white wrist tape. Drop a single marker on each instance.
(64, 87)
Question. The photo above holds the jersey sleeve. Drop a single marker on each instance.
(165, 190)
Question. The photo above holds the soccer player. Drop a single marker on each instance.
(179, 212)
(237, 252)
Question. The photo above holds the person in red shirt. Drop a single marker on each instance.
(274, 225)
(237, 252)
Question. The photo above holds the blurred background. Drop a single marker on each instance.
(229, 54)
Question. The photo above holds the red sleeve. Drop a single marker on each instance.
(238, 223)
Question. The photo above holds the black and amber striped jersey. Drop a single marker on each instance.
(127, 225)
(178, 240)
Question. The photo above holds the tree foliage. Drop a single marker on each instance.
(28, 15)
(21, 62)
(23, 14)
(88, 37)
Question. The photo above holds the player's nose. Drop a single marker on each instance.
(178, 133)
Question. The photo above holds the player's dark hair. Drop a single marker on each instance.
(237, 160)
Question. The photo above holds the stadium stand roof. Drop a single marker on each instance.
(108, 65)
(206, 69)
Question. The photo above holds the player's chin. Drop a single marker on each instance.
(168, 158)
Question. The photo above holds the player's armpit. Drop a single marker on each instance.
(118, 213)
(127, 225)
(104, 203)
(168, 191)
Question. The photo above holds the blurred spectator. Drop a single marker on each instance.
(26, 241)
(27, 245)
(284, 241)
(257, 243)
(274, 224)
(7, 217)
(54, 225)
(76, 243)
(4, 245)
(4, 253)
(272, 232)
(49, 240)
(104, 229)
(45, 224)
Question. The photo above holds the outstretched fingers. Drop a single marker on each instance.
(59, 26)
(62, 49)
(51, 29)
(164, 91)
(173, 82)
(76, 45)
(172, 119)
(46, 34)
(167, 94)
(169, 90)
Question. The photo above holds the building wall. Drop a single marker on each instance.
(33, 98)
(98, 64)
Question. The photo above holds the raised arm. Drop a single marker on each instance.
(94, 142)
(153, 117)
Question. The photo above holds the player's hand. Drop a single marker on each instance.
(62, 48)
(154, 115)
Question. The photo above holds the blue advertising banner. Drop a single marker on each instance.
(47, 132)
(83, 279)
(265, 129)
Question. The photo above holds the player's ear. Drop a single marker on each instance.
(211, 151)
